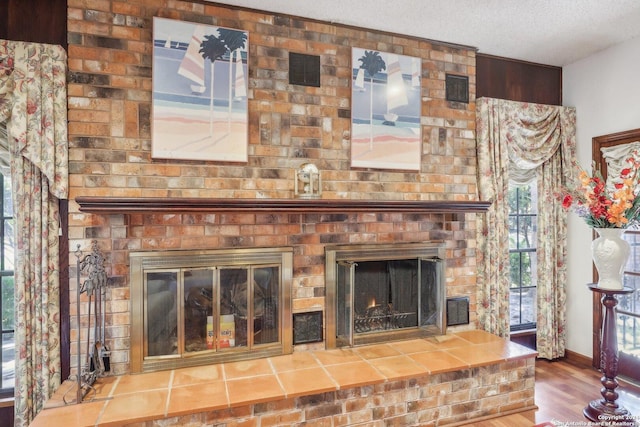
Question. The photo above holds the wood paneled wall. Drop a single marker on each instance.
(514, 80)
(40, 21)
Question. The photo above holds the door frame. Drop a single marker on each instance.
(598, 143)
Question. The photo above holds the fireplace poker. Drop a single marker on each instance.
(78, 291)
(95, 361)
(105, 353)
(100, 360)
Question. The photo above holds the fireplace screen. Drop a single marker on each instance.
(378, 293)
(208, 307)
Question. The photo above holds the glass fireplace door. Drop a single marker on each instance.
(217, 304)
(199, 309)
(242, 299)
(344, 299)
(385, 295)
(266, 324)
(161, 313)
(191, 308)
(179, 311)
(382, 292)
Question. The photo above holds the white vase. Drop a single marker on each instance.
(610, 254)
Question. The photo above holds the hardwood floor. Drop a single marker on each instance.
(562, 391)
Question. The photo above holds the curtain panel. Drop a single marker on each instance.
(521, 142)
(33, 103)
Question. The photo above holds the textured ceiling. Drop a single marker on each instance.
(551, 32)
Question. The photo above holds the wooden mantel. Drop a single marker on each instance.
(127, 205)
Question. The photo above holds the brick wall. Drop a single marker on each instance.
(110, 60)
(452, 398)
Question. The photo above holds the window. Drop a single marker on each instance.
(7, 286)
(628, 308)
(523, 224)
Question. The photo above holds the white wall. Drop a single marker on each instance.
(605, 89)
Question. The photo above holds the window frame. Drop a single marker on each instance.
(518, 215)
(5, 391)
(627, 366)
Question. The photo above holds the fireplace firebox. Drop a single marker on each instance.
(377, 293)
(199, 307)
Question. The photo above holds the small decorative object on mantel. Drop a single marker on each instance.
(610, 208)
(307, 183)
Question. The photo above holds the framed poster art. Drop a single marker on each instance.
(199, 101)
(386, 108)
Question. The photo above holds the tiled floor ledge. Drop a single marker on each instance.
(445, 380)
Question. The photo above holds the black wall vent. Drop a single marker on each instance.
(457, 88)
(457, 311)
(307, 327)
(304, 69)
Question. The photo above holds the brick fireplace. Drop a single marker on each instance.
(197, 307)
(110, 156)
(127, 201)
(199, 214)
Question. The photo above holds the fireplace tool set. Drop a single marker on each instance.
(95, 286)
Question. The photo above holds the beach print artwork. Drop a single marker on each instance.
(199, 92)
(385, 115)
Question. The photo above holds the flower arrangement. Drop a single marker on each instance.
(618, 207)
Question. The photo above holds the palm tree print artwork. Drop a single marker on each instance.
(199, 92)
(386, 109)
(234, 41)
(372, 63)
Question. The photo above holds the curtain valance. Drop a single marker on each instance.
(533, 132)
(33, 101)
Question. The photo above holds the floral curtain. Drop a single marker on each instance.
(520, 142)
(33, 104)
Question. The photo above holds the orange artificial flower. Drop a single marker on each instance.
(601, 208)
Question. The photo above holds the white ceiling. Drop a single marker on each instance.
(551, 32)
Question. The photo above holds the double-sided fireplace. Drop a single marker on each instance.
(195, 307)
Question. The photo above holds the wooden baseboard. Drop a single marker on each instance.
(578, 359)
(493, 416)
(583, 361)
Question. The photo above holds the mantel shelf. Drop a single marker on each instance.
(129, 205)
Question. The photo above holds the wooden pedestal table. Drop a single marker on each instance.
(606, 410)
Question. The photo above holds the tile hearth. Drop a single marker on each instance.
(129, 399)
